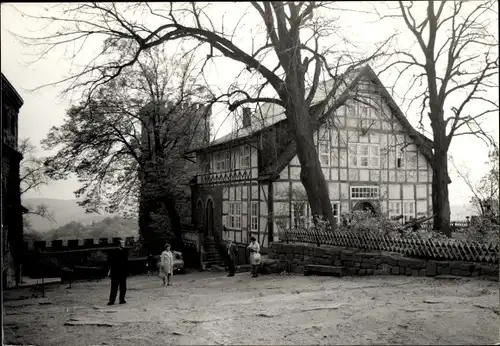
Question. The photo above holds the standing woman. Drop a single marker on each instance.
(166, 265)
(254, 248)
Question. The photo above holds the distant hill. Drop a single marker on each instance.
(63, 211)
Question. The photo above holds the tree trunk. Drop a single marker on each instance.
(175, 223)
(440, 181)
(311, 174)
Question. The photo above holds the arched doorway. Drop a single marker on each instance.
(365, 206)
(198, 217)
(209, 219)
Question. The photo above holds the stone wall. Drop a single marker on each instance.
(293, 258)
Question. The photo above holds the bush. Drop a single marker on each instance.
(364, 222)
(97, 259)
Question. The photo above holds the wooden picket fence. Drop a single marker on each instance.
(442, 249)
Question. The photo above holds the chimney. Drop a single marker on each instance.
(247, 117)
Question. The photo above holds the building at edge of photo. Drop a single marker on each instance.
(12, 210)
(372, 158)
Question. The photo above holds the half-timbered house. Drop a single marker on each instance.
(249, 181)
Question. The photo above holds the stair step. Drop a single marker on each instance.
(323, 270)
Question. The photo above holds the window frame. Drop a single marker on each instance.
(369, 196)
(324, 154)
(354, 153)
(244, 155)
(401, 209)
(234, 217)
(254, 217)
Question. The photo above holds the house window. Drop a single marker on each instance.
(364, 192)
(245, 156)
(336, 212)
(400, 157)
(234, 158)
(235, 215)
(324, 154)
(254, 217)
(300, 214)
(205, 164)
(405, 208)
(364, 155)
(222, 160)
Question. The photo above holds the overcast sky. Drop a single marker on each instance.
(43, 109)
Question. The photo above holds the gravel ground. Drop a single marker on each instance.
(209, 308)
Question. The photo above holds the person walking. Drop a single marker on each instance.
(232, 254)
(118, 272)
(254, 248)
(166, 265)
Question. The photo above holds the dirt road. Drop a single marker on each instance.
(209, 308)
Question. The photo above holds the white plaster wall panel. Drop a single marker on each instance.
(342, 138)
(411, 161)
(225, 207)
(335, 137)
(394, 191)
(284, 174)
(392, 176)
(422, 207)
(326, 173)
(294, 172)
(255, 191)
(343, 158)
(411, 176)
(333, 191)
(421, 191)
(351, 122)
(401, 176)
(343, 174)
(352, 136)
(364, 175)
(375, 138)
(408, 191)
(422, 176)
(364, 139)
(383, 191)
(295, 161)
(384, 175)
(422, 162)
(353, 174)
(335, 174)
(263, 208)
(374, 175)
(344, 190)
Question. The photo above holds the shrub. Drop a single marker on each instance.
(97, 259)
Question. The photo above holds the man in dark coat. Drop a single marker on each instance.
(118, 272)
(232, 254)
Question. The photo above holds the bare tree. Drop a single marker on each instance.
(450, 72)
(485, 197)
(32, 177)
(125, 143)
(290, 59)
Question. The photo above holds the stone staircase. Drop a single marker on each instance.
(211, 256)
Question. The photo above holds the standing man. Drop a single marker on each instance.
(118, 272)
(232, 254)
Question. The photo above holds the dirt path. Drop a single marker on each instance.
(209, 308)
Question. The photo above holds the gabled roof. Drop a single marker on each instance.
(288, 151)
(9, 91)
